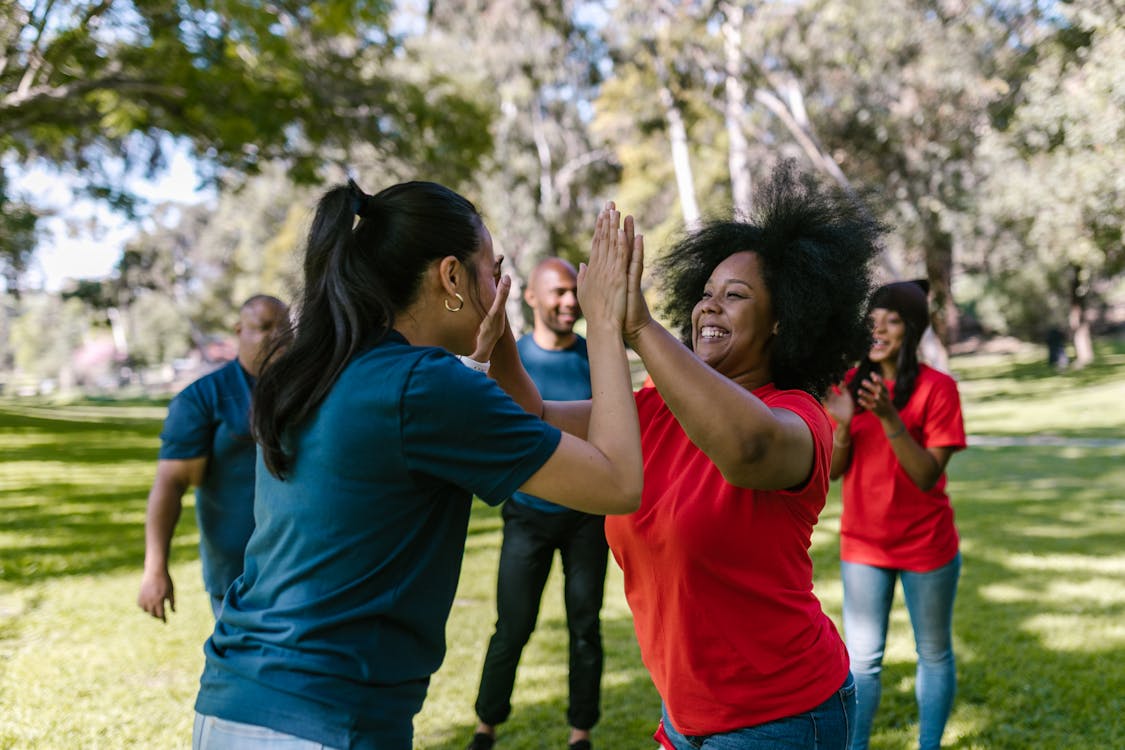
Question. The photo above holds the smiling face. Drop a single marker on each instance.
(888, 331)
(732, 325)
(552, 295)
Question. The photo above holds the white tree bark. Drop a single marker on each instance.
(738, 159)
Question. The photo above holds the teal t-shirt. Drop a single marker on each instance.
(338, 621)
(211, 418)
(562, 375)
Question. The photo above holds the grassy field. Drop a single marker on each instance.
(1040, 618)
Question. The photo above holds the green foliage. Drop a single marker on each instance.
(1037, 620)
(93, 85)
(1054, 200)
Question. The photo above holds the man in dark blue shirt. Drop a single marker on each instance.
(206, 444)
(555, 358)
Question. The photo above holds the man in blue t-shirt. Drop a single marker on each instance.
(555, 358)
(206, 444)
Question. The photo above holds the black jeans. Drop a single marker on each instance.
(530, 540)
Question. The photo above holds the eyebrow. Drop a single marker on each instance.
(731, 281)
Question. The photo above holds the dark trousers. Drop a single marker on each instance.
(530, 540)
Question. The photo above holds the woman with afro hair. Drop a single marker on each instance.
(737, 449)
(898, 422)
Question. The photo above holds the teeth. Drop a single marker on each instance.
(712, 332)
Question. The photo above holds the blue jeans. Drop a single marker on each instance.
(826, 727)
(211, 733)
(868, 595)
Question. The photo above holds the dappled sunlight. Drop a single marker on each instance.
(1077, 632)
(1068, 564)
(26, 475)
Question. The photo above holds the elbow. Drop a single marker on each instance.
(928, 483)
(626, 498)
(629, 500)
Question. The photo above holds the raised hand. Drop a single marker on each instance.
(839, 403)
(637, 314)
(874, 396)
(602, 280)
(495, 321)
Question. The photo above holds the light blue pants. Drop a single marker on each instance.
(826, 727)
(211, 733)
(868, 595)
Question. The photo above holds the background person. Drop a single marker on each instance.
(373, 441)
(556, 359)
(898, 422)
(206, 444)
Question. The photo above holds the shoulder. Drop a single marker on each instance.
(936, 380)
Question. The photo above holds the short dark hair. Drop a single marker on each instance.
(357, 276)
(816, 246)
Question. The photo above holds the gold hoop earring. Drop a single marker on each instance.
(459, 299)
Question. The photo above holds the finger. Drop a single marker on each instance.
(637, 260)
(614, 229)
(599, 232)
(503, 287)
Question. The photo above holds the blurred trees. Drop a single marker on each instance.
(989, 134)
(91, 85)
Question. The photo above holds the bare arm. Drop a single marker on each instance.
(603, 473)
(753, 445)
(839, 404)
(165, 502)
(923, 465)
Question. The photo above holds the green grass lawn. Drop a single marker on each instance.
(1040, 618)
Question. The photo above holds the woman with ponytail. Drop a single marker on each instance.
(377, 426)
(898, 422)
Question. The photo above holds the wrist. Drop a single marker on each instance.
(632, 335)
(474, 364)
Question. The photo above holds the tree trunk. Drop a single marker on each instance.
(1079, 325)
(681, 156)
(734, 103)
(939, 271)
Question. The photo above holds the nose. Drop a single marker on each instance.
(708, 304)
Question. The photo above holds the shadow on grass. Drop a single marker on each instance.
(1038, 608)
(74, 495)
(630, 706)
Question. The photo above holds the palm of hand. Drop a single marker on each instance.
(839, 404)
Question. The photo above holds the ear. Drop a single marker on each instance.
(451, 274)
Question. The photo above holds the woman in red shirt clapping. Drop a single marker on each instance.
(898, 422)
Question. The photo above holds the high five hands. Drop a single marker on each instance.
(609, 284)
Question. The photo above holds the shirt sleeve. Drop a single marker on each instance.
(944, 424)
(189, 428)
(459, 425)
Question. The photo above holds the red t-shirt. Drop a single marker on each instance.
(719, 580)
(888, 520)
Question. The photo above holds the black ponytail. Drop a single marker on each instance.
(356, 277)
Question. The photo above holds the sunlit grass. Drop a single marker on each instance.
(1039, 628)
